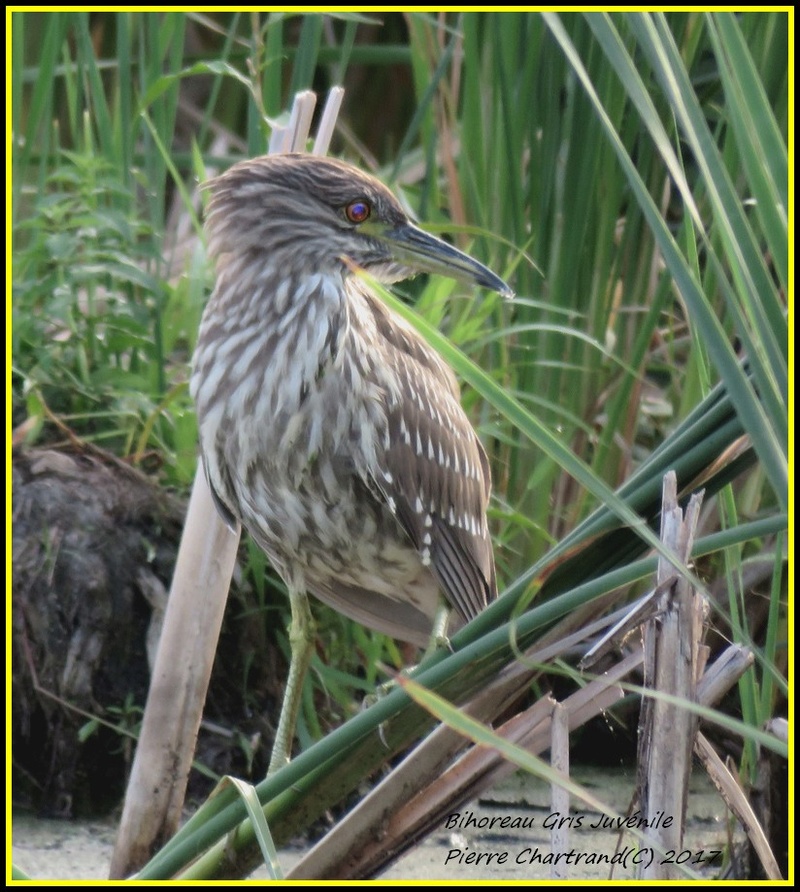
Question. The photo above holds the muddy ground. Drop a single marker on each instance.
(61, 850)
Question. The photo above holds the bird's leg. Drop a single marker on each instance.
(301, 642)
(439, 639)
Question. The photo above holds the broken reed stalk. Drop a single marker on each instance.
(178, 685)
(390, 819)
(192, 623)
(559, 797)
(673, 656)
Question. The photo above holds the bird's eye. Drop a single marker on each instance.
(357, 211)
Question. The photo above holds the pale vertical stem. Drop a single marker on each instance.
(293, 137)
(178, 687)
(559, 797)
(667, 729)
(328, 122)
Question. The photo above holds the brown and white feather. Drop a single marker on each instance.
(433, 470)
(328, 426)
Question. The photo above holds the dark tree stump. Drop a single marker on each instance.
(94, 544)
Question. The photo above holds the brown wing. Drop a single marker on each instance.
(433, 470)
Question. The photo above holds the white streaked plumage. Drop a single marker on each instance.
(328, 427)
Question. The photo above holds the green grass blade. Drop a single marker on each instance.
(768, 442)
(763, 150)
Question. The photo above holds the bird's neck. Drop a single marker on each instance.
(267, 335)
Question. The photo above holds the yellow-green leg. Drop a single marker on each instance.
(301, 642)
(439, 639)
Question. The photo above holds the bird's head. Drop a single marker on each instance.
(307, 213)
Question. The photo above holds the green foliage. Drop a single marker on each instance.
(100, 336)
(637, 288)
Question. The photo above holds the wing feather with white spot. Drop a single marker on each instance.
(433, 470)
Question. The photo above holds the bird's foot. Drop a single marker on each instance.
(383, 690)
(276, 763)
(438, 642)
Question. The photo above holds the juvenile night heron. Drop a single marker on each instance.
(328, 427)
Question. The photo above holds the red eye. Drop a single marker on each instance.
(357, 211)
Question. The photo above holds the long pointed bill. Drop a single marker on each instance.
(419, 250)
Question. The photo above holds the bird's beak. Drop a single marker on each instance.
(412, 247)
